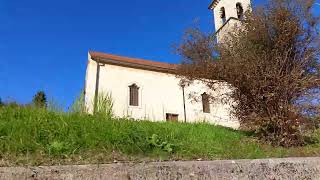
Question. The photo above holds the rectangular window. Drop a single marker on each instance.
(223, 15)
(205, 103)
(134, 95)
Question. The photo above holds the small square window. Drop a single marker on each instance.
(172, 117)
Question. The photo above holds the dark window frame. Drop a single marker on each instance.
(240, 11)
(205, 103)
(172, 117)
(223, 15)
(134, 95)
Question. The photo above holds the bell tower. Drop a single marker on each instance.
(228, 13)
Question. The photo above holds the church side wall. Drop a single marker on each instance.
(159, 93)
(220, 112)
(90, 84)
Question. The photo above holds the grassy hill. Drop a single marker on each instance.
(31, 136)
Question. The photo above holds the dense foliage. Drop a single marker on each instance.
(271, 63)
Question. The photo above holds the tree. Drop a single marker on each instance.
(40, 99)
(270, 64)
(1, 103)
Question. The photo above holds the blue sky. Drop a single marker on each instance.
(44, 44)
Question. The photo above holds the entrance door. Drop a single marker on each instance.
(172, 117)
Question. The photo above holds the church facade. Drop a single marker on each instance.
(150, 90)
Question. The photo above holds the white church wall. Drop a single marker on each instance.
(220, 112)
(90, 83)
(159, 94)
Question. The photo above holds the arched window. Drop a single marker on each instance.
(134, 95)
(239, 10)
(205, 103)
(223, 15)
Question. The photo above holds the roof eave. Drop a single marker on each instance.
(133, 65)
(213, 4)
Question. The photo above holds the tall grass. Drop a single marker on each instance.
(54, 106)
(104, 106)
(79, 105)
(36, 136)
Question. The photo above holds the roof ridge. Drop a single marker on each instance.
(134, 58)
(132, 62)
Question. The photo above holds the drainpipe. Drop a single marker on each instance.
(97, 89)
(184, 103)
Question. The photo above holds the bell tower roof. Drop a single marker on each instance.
(213, 4)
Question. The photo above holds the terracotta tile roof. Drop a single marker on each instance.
(132, 62)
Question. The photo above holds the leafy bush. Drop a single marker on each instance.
(155, 142)
(57, 147)
(269, 63)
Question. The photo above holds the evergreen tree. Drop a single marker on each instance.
(40, 99)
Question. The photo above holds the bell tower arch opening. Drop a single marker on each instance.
(228, 13)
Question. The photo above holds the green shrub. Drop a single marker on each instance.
(155, 142)
(57, 147)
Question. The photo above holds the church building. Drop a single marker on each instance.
(150, 90)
